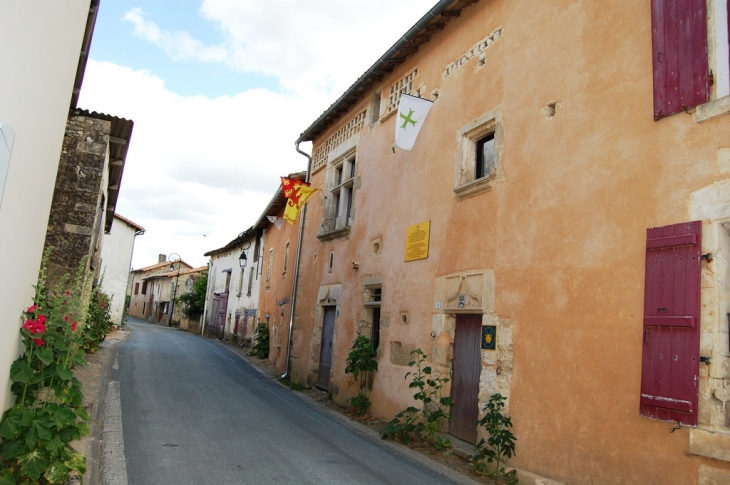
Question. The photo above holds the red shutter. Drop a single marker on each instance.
(679, 48)
(671, 338)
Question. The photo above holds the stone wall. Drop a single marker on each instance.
(76, 221)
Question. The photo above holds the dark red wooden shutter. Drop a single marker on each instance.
(671, 338)
(679, 47)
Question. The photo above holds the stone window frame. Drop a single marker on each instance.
(339, 211)
(467, 183)
(718, 44)
(373, 301)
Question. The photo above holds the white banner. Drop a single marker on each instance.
(412, 112)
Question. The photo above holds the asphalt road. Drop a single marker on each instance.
(194, 412)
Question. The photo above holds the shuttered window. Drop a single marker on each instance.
(679, 48)
(671, 333)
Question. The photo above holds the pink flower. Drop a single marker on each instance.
(39, 328)
(35, 326)
(65, 319)
(73, 327)
(38, 341)
(29, 325)
(41, 319)
(68, 293)
(31, 309)
(102, 304)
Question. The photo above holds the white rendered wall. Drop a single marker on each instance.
(116, 257)
(41, 44)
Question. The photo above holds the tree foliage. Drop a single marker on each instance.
(194, 301)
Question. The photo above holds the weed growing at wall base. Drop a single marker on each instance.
(500, 442)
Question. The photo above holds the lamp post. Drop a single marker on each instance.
(173, 290)
(242, 260)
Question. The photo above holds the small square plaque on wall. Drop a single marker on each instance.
(489, 337)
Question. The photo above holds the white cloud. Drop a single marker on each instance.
(179, 45)
(197, 166)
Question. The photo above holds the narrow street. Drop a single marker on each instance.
(193, 412)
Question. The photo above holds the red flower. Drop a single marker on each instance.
(35, 326)
(38, 341)
(39, 328)
(73, 327)
(31, 309)
(68, 293)
(65, 319)
(102, 304)
(41, 319)
(29, 325)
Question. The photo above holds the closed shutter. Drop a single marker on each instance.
(671, 337)
(679, 48)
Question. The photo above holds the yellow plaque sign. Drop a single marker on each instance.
(417, 237)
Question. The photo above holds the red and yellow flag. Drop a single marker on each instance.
(297, 193)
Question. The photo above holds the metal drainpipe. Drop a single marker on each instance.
(296, 268)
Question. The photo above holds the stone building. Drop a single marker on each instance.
(87, 187)
(183, 282)
(151, 292)
(116, 259)
(559, 233)
(45, 47)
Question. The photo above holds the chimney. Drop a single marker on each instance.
(162, 258)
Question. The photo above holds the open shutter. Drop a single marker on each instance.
(671, 338)
(679, 48)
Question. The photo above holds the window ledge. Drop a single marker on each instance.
(341, 233)
(474, 187)
(712, 443)
(711, 110)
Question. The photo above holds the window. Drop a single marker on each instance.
(144, 287)
(268, 270)
(250, 281)
(240, 281)
(136, 288)
(690, 55)
(480, 146)
(331, 262)
(228, 279)
(338, 210)
(374, 296)
(286, 258)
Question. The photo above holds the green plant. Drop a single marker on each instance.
(194, 300)
(98, 320)
(423, 422)
(261, 336)
(48, 412)
(501, 441)
(294, 386)
(360, 363)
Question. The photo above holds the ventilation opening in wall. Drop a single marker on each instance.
(331, 263)
(375, 108)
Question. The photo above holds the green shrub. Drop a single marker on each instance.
(423, 422)
(360, 363)
(501, 441)
(261, 345)
(98, 320)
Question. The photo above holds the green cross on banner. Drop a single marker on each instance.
(412, 112)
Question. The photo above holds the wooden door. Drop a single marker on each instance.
(325, 355)
(467, 367)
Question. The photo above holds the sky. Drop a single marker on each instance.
(219, 91)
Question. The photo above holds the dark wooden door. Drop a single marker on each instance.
(325, 355)
(465, 381)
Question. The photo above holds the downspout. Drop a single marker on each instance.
(285, 375)
(205, 304)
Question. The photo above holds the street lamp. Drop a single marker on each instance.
(242, 259)
(173, 291)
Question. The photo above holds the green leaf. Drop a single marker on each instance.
(14, 422)
(6, 477)
(57, 472)
(55, 446)
(33, 465)
(20, 371)
(45, 355)
(65, 373)
(10, 449)
(76, 462)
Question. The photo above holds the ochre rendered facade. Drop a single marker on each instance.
(551, 250)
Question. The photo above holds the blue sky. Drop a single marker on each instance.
(114, 41)
(205, 83)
